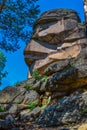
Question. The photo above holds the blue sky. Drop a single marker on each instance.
(16, 67)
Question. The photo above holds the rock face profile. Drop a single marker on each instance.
(58, 49)
(55, 95)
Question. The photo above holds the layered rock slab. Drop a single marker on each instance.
(57, 36)
(70, 110)
(58, 50)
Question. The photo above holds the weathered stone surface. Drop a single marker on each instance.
(18, 95)
(67, 111)
(58, 50)
(77, 33)
(57, 32)
(42, 64)
(58, 95)
(56, 15)
(53, 29)
(55, 67)
(71, 52)
(64, 81)
(30, 115)
(3, 115)
(13, 109)
(58, 37)
(67, 74)
(16, 108)
(40, 86)
(36, 111)
(31, 96)
(39, 48)
(8, 123)
(9, 94)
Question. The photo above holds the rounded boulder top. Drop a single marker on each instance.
(57, 15)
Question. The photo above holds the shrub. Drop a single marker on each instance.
(84, 111)
(43, 107)
(48, 100)
(2, 109)
(31, 105)
(16, 84)
(36, 75)
(28, 86)
(44, 78)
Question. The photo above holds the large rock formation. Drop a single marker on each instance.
(58, 49)
(69, 110)
(55, 93)
(55, 33)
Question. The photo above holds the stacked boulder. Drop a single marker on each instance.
(57, 36)
(56, 92)
(58, 49)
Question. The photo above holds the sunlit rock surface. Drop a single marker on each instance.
(56, 98)
(58, 49)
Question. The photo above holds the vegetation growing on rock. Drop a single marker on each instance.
(56, 93)
(36, 75)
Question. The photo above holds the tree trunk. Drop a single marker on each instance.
(85, 13)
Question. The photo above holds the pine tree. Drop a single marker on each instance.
(16, 20)
(85, 14)
(2, 66)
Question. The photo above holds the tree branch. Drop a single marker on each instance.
(2, 5)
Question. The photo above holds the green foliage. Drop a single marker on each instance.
(44, 78)
(2, 66)
(17, 102)
(43, 107)
(48, 100)
(36, 75)
(2, 109)
(16, 84)
(31, 105)
(71, 64)
(28, 86)
(79, 23)
(84, 111)
(16, 20)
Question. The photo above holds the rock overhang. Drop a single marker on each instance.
(56, 15)
(58, 36)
